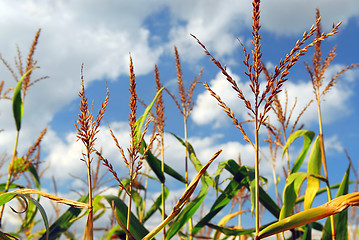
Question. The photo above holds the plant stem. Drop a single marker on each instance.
(129, 201)
(10, 172)
(256, 171)
(186, 165)
(89, 225)
(163, 185)
(324, 162)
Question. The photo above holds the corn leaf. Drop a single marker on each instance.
(4, 236)
(141, 120)
(188, 212)
(308, 137)
(223, 199)
(314, 167)
(17, 104)
(231, 231)
(290, 193)
(196, 163)
(155, 165)
(183, 200)
(8, 196)
(340, 219)
(155, 206)
(240, 174)
(136, 228)
(223, 222)
(12, 186)
(64, 222)
(335, 206)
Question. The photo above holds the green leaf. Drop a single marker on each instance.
(241, 174)
(8, 196)
(231, 231)
(4, 236)
(12, 186)
(136, 228)
(141, 120)
(63, 223)
(308, 137)
(17, 104)
(224, 198)
(314, 167)
(188, 212)
(340, 219)
(35, 176)
(196, 163)
(155, 165)
(220, 168)
(155, 206)
(290, 193)
(330, 208)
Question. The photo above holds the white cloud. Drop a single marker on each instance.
(292, 17)
(206, 109)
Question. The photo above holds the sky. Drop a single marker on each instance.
(102, 36)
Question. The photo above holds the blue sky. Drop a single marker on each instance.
(102, 34)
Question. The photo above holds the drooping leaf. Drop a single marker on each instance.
(8, 196)
(4, 236)
(35, 176)
(188, 212)
(136, 228)
(308, 137)
(240, 173)
(155, 206)
(196, 163)
(332, 207)
(223, 199)
(12, 186)
(314, 167)
(340, 219)
(290, 193)
(64, 222)
(155, 165)
(222, 223)
(183, 200)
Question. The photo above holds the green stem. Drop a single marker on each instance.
(10, 172)
(129, 204)
(186, 166)
(90, 217)
(256, 172)
(324, 163)
(163, 186)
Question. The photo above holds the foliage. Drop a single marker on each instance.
(188, 219)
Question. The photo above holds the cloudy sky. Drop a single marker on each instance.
(101, 34)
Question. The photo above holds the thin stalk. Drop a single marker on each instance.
(256, 172)
(129, 202)
(324, 163)
(163, 185)
(186, 166)
(90, 217)
(10, 172)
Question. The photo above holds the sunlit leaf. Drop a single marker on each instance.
(17, 104)
(136, 228)
(290, 193)
(155, 206)
(308, 137)
(314, 167)
(188, 212)
(335, 206)
(340, 219)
